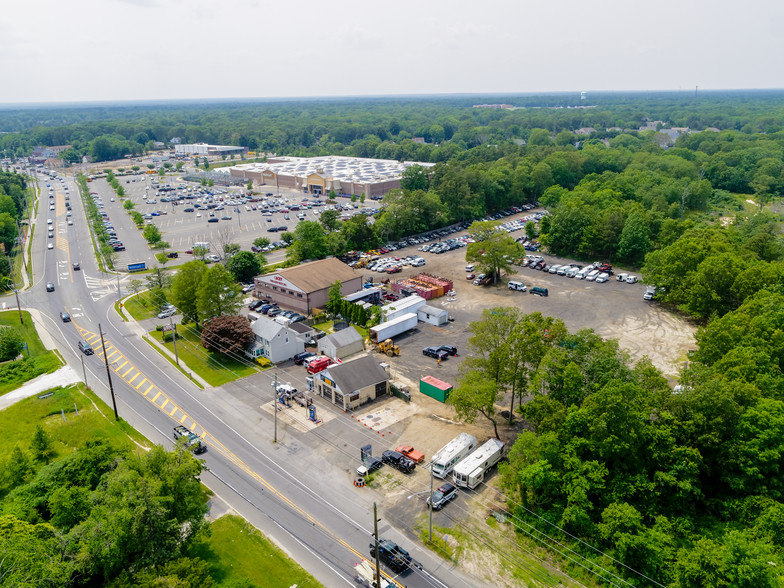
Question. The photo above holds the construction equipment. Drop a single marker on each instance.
(388, 347)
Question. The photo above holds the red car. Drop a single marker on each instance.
(394, 269)
(470, 276)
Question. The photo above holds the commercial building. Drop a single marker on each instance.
(203, 149)
(342, 344)
(306, 286)
(274, 341)
(345, 176)
(353, 383)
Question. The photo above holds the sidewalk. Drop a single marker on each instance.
(65, 376)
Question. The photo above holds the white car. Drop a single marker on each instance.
(50, 246)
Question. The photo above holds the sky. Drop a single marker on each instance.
(110, 50)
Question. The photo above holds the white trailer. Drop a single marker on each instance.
(470, 472)
(450, 454)
(366, 575)
(400, 307)
(393, 328)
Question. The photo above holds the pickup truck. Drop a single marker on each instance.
(391, 554)
(411, 453)
(399, 461)
(192, 439)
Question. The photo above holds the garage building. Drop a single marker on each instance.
(341, 344)
(353, 383)
(306, 286)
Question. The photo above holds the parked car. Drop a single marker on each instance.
(450, 349)
(435, 353)
(167, 313)
(444, 494)
(470, 276)
(411, 453)
(300, 358)
(398, 461)
(255, 304)
(539, 291)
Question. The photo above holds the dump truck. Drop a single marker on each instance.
(388, 347)
(192, 440)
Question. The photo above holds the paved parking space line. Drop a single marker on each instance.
(140, 384)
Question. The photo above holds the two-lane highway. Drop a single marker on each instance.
(287, 490)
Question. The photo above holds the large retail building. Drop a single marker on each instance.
(306, 286)
(347, 176)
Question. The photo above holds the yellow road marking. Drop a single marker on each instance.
(165, 402)
(139, 385)
(173, 410)
(184, 416)
(128, 371)
(115, 352)
(119, 367)
(146, 392)
(133, 378)
(156, 396)
(92, 338)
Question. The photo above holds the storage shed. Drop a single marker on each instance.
(435, 388)
(341, 344)
(432, 316)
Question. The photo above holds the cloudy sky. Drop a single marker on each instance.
(77, 50)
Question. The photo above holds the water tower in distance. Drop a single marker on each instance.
(583, 95)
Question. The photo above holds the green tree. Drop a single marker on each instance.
(218, 295)
(261, 242)
(530, 230)
(128, 205)
(635, 238)
(185, 287)
(41, 445)
(330, 220)
(11, 343)
(249, 185)
(492, 250)
(309, 242)
(18, 468)
(69, 505)
(475, 395)
(334, 297)
(244, 266)
(151, 234)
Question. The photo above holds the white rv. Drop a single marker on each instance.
(470, 472)
(447, 457)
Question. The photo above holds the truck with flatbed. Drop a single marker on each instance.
(192, 440)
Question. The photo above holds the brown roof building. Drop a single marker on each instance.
(306, 286)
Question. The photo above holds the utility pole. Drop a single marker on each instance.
(119, 297)
(174, 338)
(430, 508)
(375, 535)
(84, 371)
(108, 373)
(275, 406)
(18, 306)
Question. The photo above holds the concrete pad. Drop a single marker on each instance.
(65, 376)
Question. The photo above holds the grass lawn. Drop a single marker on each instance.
(326, 327)
(141, 306)
(40, 361)
(94, 420)
(217, 369)
(236, 551)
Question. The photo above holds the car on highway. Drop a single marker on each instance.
(50, 246)
(77, 266)
(65, 317)
(50, 286)
(85, 347)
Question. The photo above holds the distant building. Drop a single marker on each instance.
(41, 154)
(305, 287)
(346, 176)
(208, 150)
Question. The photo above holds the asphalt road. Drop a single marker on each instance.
(287, 489)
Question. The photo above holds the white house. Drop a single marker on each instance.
(341, 344)
(274, 341)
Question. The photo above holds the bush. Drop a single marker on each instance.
(11, 343)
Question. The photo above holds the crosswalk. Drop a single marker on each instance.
(101, 287)
(123, 367)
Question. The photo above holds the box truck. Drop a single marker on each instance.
(393, 328)
(450, 454)
(470, 472)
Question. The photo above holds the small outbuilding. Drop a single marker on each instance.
(341, 344)
(353, 383)
(432, 316)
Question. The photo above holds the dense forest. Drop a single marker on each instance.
(679, 488)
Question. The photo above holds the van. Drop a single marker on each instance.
(571, 272)
(539, 291)
(592, 276)
(630, 279)
(519, 286)
(85, 347)
(554, 268)
(621, 277)
(563, 269)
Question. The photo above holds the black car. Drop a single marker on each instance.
(444, 494)
(283, 228)
(450, 349)
(370, 465)
(398, 461)
(272, 230)
(255, 304)
(213, 219)
(300, 358)
(391, 554)
(172, 255)
(65, 317)
(435, 353)
(76, 266)
(50, 286)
